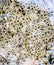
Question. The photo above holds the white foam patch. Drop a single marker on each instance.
(12, 63)
(30, 23)
(52, 20)
(3, 52)
(28, 61)
(50, 51)
(33, 16)
(25, 1)
(24, 28)
(12, 57)
(6, 16)
(46, 4)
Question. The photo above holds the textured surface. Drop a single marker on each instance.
(26, 33)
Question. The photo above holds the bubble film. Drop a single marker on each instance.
(26, 32)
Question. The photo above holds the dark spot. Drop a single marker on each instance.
(9, 32)
(12, 35)
(53, 62)
(27, 34)
(20, 45)
(13, 25)
(44, 14)
(20, 38)
(20, 23)
(10, 0)
(39, 12)
(28, 7)
(23, 14)
(9, 4)
(6, 41)
(31, 8)
(22, 10)
(1, 21)
(19, 10)
(17, 3)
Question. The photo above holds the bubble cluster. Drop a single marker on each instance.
(25, 31)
